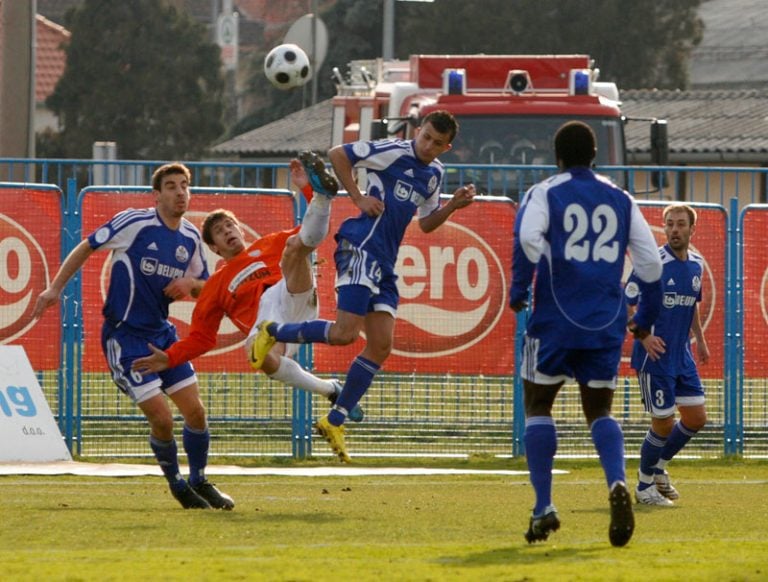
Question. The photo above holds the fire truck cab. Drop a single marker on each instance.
(508, 106)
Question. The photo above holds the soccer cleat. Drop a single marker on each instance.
(189, 499)
(215, 498)
(261, 345)
(356, 414)
(651, 496)
(321, 180)
(665, 487)
(622, 518)
(539, 527)
(335, 437)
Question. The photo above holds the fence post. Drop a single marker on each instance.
(301, 418)
(301, 442)
(71, 230)
(518, 405)
(733, 429)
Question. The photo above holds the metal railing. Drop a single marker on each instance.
(716, 185)
(409, 414)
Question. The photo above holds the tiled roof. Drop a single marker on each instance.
(703, 127)
(50, 59)
(733, 49)
(309, 128)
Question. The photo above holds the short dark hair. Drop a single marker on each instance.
(443, 121)
(575, 144)
(212, 219)
(678, 207)
(167, 170)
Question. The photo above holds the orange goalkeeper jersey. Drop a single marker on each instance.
(234, 290)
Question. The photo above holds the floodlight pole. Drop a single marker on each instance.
(388, 32)
(388, 36)
(314, 52)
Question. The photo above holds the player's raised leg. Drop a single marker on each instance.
(319, 177)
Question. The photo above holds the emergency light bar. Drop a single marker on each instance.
(454, 81)
(518, 81)
(580, 82)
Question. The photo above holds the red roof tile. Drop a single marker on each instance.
(50, 59)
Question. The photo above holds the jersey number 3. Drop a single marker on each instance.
(603, 223)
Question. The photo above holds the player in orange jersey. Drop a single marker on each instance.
(270, 279)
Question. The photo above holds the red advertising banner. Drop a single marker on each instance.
(755, 281)
(259, 214)
(30, 250)
(709, 241)
(454, 284)
(453, 315)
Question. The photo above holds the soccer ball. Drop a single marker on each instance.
(287, 66)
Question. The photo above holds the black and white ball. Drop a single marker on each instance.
(287, 66)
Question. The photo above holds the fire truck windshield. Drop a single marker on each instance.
(521, 141)
(527, 140)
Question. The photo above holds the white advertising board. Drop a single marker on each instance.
(28, 431)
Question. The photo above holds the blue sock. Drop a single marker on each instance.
(359, 379)
(196, 443)
(167, 456)
(609, 443)
(650, 452)
(677, 439)
(540, 439)
(307, 332)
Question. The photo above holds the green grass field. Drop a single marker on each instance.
(434, 527)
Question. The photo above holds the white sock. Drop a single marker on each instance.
(290, 373)
(314, 227)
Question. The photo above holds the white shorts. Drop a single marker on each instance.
(280, 306)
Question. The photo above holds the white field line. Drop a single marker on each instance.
(129, 470)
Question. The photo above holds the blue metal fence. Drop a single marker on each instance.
(715, 185)
(391, 430)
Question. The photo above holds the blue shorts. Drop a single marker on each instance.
(364, 284)
(661, 394)
(122, 345)
(548, 363)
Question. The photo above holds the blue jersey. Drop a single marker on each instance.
(573, 231)
(403, 182)
(146, 256)
(681, 281)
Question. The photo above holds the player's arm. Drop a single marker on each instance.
(531, 224)
(69, 267)
(183, 287)
(698, 332)
(194, 345)
(647, 268)
(345, 173)
(461, 198)
(157, 361)
(653, 344)
(194, 278)
(203, 331)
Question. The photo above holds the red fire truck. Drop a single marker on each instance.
(508, 106)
